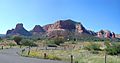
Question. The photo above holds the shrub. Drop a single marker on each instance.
(11, 44)
(34, 54)
(17, 39)
(56, 41)
(53, 57)
(95, 52)
(28, 42)
(93, 46)
(113, 49)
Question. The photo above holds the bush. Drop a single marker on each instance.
(17, 39)
(28, 42)
(56, 41)
(113, 49)
(12, 44)
(93, 46)
(53, 57)
(95, 52)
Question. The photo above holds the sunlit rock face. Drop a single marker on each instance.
(61, 24)
(113, 35)
(64, 24)
(105, 34)
(64, 27)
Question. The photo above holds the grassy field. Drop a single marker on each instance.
(80, 56)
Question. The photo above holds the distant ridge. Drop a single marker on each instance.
(62, 28)
(2, 35)
(19, 30)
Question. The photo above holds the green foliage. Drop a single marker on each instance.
(10, 37)
(49, 42)
(93, 46)
(53, 57)
(107, 44)
(55, 41)
(113, 49)
(58, 41)
(12, 44)
(89, 38)
(17, 39)
(0, 40)
(95, 52)
(28, 42)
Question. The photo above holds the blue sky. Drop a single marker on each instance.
(93, 14)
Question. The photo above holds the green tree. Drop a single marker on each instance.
(17, 39)
(58, 41)
(0, 38)
(11, 44)
(113, 49)
(93, 46)
(28, 42)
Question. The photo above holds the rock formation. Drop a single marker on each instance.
(61, 24)
(38, 29)
(19, 30)
(65, 24)
(117, 35)
(61, 28)
(113, 35)
(9, 31)
(105, 34)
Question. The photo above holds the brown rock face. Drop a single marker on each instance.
(65, 24)
(58, 33)
(99, 34)
(61, 24)
(38, 29)
(113, 35)
(80, 28)
(47, 27)
(19, 30)
(106, 34)
(60, 27)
